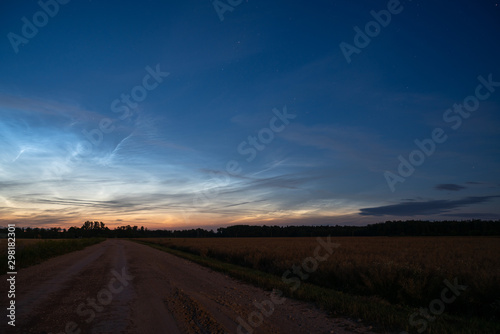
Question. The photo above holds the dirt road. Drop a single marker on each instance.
(120, 286)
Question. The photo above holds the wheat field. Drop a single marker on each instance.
(400, 270)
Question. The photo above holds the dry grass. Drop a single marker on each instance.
(34, 251)
(20, 244)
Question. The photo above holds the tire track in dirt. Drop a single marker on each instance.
(191, 315)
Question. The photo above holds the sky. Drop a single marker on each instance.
(187, 114)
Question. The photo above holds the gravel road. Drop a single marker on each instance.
(119, 286)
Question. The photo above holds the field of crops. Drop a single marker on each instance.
(34, 251)
(403, 270)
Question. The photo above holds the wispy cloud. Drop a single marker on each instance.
(70, 112)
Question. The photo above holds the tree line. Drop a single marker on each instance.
(388, 228)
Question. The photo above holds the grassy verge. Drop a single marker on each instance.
(384, 316)
(37, 252)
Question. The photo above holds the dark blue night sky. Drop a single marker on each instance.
(179, 114)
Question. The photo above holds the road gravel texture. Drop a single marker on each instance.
(120, 286)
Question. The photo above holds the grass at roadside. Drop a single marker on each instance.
(372, 309)
(31, 252)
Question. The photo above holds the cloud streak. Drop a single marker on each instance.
(449, 187)
(432, 207)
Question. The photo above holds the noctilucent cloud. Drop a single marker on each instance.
(184, 114)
